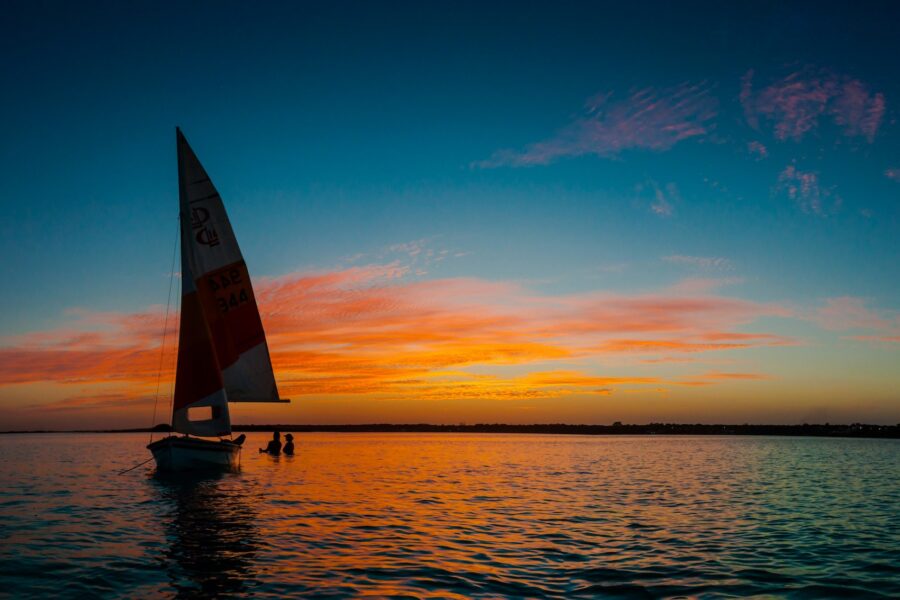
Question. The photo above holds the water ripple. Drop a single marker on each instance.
(457, 516)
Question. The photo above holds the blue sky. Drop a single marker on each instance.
(338, 131)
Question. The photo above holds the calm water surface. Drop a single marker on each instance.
(444, 515)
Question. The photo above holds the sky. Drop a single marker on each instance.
(462, 212)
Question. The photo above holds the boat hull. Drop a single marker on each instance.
(175, 453)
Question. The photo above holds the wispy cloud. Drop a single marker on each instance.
(708, 263)
(702, 343)
(892, 174)
(851, 312)
(758, 149)
(374, 330)
(795, 104)
(662, 206)
(883, 339)
(420, 255)
(807, 191)
(646, 119)
(662, 198)
(719, 376)
(693, 286)
(97, 401)
(411, 249)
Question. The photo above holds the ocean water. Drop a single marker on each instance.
(455, 515)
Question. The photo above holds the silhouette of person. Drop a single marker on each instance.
(289, 445)
(274, 446)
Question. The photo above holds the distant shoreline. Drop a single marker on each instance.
(856, 430)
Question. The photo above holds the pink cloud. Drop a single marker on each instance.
(646, 119)
(850, 312)
(892, 174)
(805, 188)
(757, 149)
(884, 339)
(796, 103)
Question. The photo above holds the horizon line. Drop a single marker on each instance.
(616, 428)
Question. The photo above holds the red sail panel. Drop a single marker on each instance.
(230, 308)
(197, 373)
(198, 378)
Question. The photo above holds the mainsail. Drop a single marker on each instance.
(222, 351)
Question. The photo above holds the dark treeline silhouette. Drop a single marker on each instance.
(855, 430)
(826, 430)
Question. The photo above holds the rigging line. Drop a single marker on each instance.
(135, 466)
(175, 354)
(162, 347)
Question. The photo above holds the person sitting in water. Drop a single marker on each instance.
(289, 445)
(274, 446)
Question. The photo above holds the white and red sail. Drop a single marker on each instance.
(222, 351)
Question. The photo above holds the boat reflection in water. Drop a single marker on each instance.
(211, 533)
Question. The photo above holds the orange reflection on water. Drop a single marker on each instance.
(455, 515)
(497, 508)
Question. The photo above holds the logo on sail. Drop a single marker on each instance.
(206, 235)
(199, 216)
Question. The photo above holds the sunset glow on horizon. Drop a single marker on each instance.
(374, 343)
(462, 237)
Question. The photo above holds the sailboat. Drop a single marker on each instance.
(223, 356)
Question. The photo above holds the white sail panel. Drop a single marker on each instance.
(211, 243)
(246, 379)
(216, 423)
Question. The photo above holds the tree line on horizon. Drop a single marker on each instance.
(617, 428)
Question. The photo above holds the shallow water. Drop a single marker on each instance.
(456, 515)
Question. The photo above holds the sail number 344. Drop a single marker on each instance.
(228, 290)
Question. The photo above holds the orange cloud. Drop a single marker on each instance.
(617, 346)
(718, 376)
(99, 401)
(577, 379)
(370, 331)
